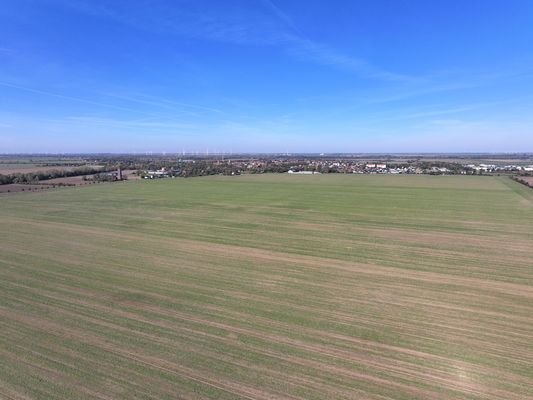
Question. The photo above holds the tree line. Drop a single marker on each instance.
(36, 176)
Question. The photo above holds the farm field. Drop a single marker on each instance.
(8, 169)
(78, 180)
(269, 287)
(26, 166)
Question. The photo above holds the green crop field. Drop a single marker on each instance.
(269, 287)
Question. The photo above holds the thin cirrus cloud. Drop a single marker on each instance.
(263, 23)
(319, 53)
(158, 105)
(166, 104)
(68, 97)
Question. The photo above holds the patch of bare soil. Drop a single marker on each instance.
(527, 180)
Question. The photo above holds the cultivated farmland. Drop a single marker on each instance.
(269, 287)
(24, 168)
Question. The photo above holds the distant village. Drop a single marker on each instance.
(201, 167)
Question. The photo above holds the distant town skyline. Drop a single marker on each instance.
(266, 76)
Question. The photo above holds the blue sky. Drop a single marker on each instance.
(266, 76)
